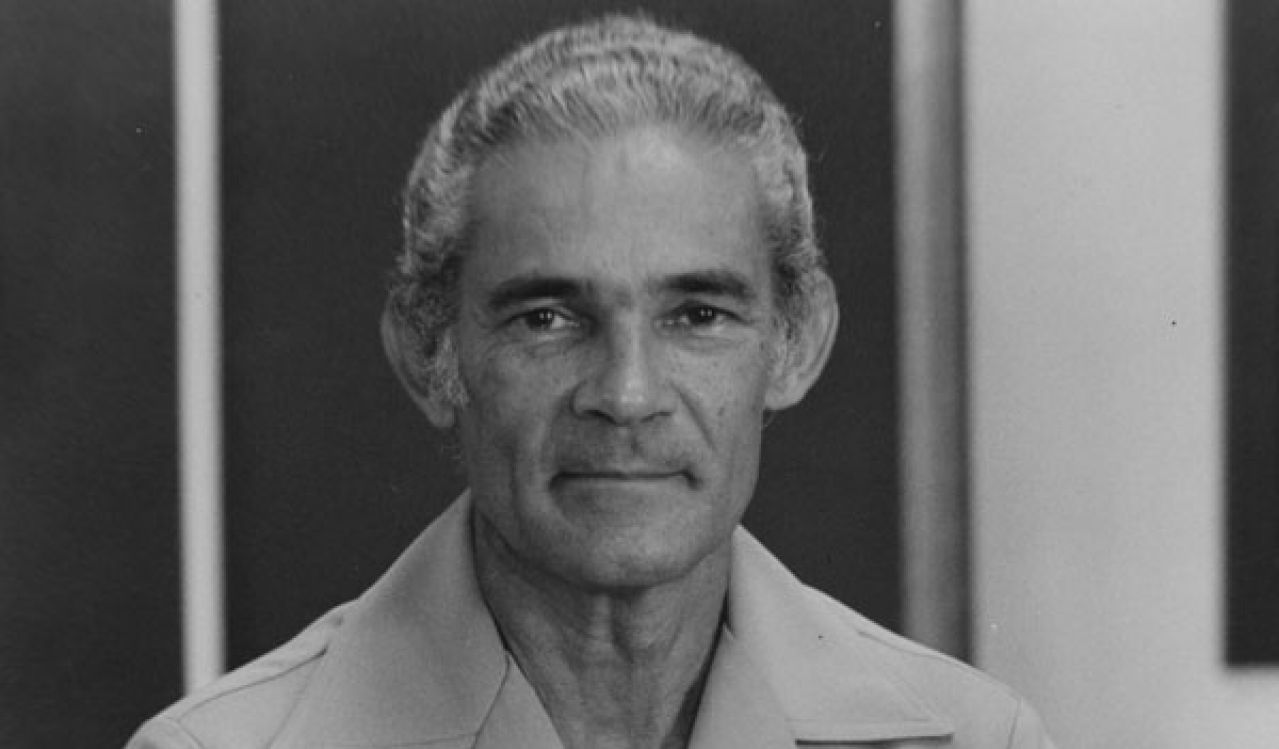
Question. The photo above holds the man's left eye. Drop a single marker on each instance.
(700, 316)
(544, 319)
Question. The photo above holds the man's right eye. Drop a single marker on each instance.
(544, 319)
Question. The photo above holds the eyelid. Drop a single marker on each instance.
(522, 315)
(521, 308)
(723, 314)
(729, 307)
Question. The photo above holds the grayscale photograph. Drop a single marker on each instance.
(659, 374)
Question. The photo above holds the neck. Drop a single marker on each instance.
(613, 668)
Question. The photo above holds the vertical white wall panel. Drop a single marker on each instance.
(1094, 135)
(934, 478)
(199, 338)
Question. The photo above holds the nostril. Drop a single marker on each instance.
(627, 387)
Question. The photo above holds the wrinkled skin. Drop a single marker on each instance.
(618, 342)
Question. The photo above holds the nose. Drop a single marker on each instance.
(628, 383)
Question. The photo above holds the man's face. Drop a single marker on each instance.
(615, 338)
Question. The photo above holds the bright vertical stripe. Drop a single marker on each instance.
(199, 339)
(934, 460)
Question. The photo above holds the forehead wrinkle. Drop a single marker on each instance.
(531, 214)
(510, 205)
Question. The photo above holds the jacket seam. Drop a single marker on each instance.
(501, 685)
(209, 699)
(1012, 729)
(181, 730)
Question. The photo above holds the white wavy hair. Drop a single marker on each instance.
(588, 81)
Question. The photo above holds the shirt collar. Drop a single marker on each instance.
(418, 660)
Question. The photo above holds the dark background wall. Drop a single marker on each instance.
(1253, 366)
(88, 529)
(330, 469)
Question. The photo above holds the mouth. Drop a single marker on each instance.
(619, 475)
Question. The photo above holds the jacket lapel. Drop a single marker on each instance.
(827, 680)
(418, 661)
(517, 718)
(738, 709)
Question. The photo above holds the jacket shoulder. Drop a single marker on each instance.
(984, 711)
(247, 707)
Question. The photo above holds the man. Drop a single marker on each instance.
(609, 281)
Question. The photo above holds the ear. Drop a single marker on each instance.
(412, 371)
(804, 357)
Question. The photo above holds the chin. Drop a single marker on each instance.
(617, 565)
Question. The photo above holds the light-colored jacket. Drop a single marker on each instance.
(417, 662)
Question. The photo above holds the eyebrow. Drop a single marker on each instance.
(711, 282)
(520, 289)
(715, 282)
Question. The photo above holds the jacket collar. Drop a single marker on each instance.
(418, 661)
(829, 682)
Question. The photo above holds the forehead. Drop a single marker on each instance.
(648, 202)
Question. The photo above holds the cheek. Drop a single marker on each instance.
(514, 398)
(738, 383)
(728, 397)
